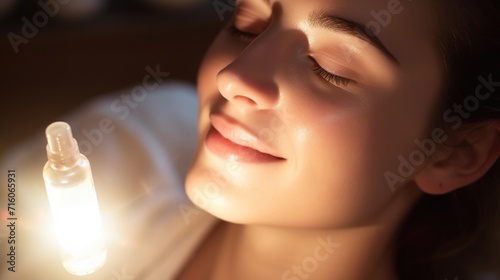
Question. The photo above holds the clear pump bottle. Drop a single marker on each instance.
(73, 202)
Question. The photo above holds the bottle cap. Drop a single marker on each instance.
(62, 149)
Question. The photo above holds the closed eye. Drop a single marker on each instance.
(241, 35)
(327, 76)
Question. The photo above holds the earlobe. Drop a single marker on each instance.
(458, 165)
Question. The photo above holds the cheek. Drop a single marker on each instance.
(214, 61)
(207, 74)
(343, 150)
(339, 164)
(220, 54)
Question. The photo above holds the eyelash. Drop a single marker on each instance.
(317, 69)
(242, 35)
(329, 77)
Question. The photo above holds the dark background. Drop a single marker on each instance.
(72, 60)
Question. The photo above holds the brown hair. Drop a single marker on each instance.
(457, 234)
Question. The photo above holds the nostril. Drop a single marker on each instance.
(244, 100)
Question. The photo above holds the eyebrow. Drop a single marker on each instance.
(348, 27)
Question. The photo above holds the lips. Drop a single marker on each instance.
(230, 140)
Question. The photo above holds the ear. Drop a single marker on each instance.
(454, 165)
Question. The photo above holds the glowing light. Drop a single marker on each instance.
(73, 203)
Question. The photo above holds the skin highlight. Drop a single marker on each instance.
(331, 141)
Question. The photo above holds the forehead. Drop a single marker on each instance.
(404, 26)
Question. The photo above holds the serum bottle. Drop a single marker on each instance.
(73, 202)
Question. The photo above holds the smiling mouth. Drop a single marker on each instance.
(229, 140)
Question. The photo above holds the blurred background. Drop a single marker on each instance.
(57, 54)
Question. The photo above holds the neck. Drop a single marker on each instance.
(365, 252)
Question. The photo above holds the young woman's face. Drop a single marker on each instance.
(306, 104)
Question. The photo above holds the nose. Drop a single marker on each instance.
(250, 80)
